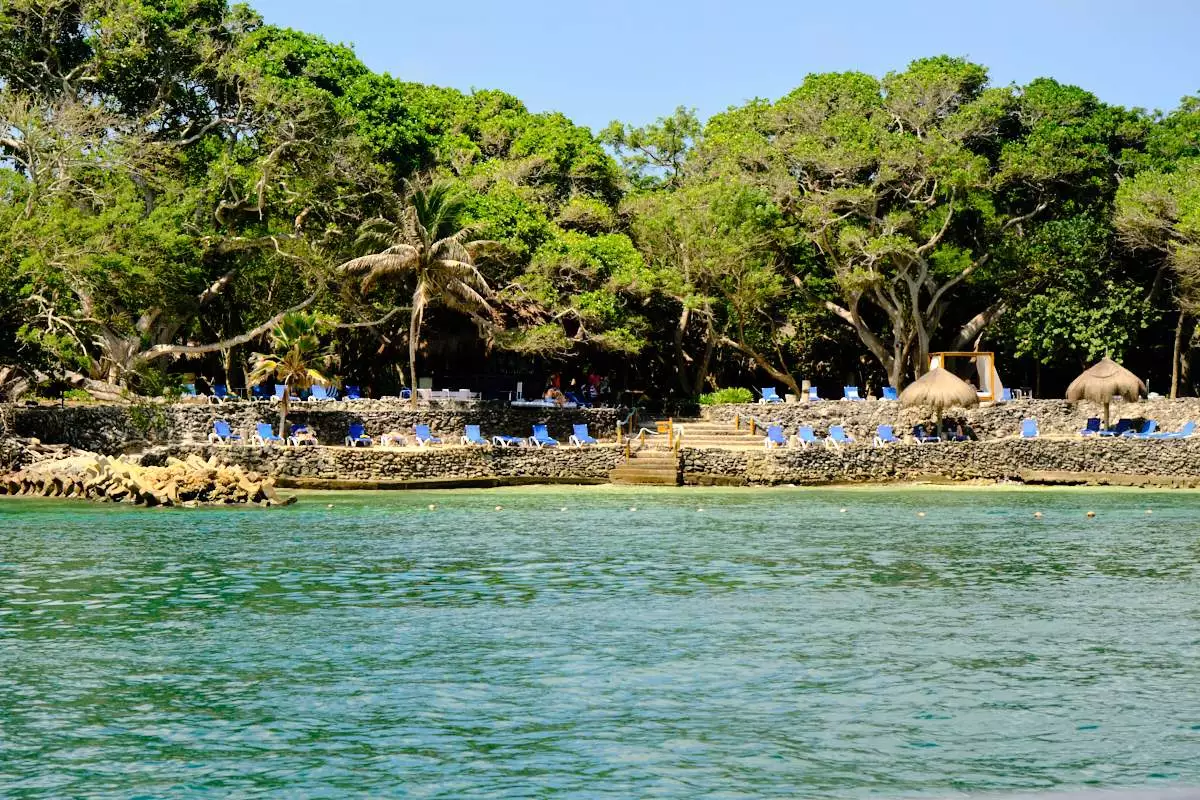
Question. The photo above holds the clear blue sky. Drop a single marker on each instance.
(619, 59)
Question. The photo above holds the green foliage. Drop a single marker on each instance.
(727, 397)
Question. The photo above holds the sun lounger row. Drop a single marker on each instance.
(356, 436)
(768, 395)
(1126, 430)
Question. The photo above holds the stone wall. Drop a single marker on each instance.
(997, 460)
(377, 464)
(120, 429)
(10, 451)
(1055, 417)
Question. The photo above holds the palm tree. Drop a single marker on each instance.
(427, 244)
(295, 359)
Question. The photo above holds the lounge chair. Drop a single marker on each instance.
(921, 436)
(1093, 427)
(508, 441)
(1029, 429)
(573, 397)
(189, 390)
(851, 393)
(471, 435)
(220, 394)
(301, 435)
(1149, 428)
(279, 390)
(221, 433)
(805, 435)
(1006, 395)
(541, 438)
(580, 437)
(424, 436)
(259, 394)
(264, 434)
(774, 437)
(357, 436)
(1119, 429)
(1186, 432)
(352, 393)
(838, 437)
(885, 434)
(813, 396)
(890, 393)
(319, 394)
(769, 395)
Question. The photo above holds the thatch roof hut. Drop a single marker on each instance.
(1102, 382)
(939, 389)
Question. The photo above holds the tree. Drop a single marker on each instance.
(296, 359)
(428, 245)
(656, 154)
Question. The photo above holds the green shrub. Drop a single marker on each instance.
(77, 394)
(726, 396)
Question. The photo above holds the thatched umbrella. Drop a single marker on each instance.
(939, 389)
(1104, 381)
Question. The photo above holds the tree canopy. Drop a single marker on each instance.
(177, 177)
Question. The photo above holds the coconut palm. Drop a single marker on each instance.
(428, 245)
(295, 360)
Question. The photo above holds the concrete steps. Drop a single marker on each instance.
(702, 433)
(648, 467)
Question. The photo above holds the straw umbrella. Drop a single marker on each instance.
(1104, 381)
(939, 389)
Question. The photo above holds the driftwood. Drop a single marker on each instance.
(188, 482)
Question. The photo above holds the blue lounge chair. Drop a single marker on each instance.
(352, 393)
(890, 393)
(264, 434)
(885, 434)
(220, 394)
(424, 436)
(1029, 429)
(1120, 428)
(775, 437)
(1006, 395)
(922, 436)
(319, 394)
(221, 433)
(851, 393)
(541, 438)
(1150, 427)
(471, 435)
(301, 435)
(805, 435)
(813, 397)
(259, 394)
(357, 436)
(1186, 432)
(580, 437)
(838, 437)
(573, 397)
(508, 441)
(769, 395)
(1093, 427)
(279, 390)
(189, 390)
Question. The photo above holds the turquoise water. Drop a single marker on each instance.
(769, 645)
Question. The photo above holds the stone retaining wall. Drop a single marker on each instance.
(997, 460)
(118, 429)
(408, 464)
(10, 452)
(1055, 417)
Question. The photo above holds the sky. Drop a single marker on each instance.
(637, 61)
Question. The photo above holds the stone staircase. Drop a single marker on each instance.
(703, 433)
(649, 466)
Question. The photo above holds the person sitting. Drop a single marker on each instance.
(393, 438)
(557, 396)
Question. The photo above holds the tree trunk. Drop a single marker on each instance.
(681, 370)
(283, 408)
(414, 335)
(1176, 355)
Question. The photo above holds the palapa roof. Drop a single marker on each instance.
(1105, 380)
(939, 388)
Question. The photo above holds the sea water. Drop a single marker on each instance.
(598, 642)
